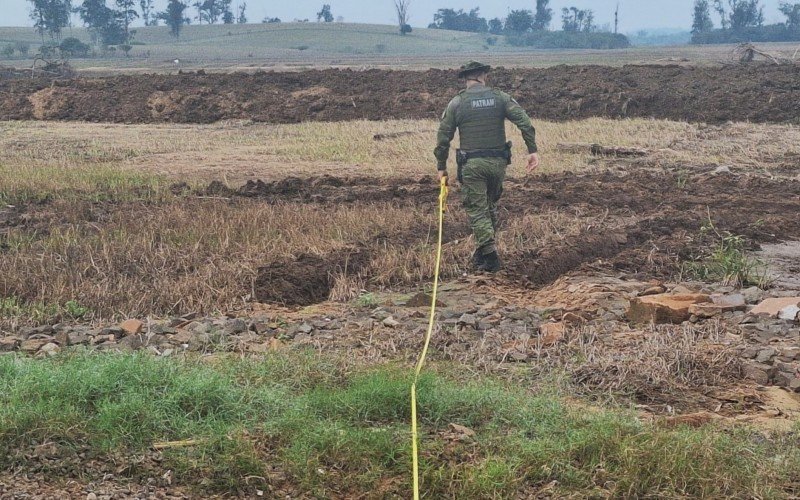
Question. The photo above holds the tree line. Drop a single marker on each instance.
(742, 21)
(109, 21)
(532, 27)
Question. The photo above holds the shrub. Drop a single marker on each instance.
(23, 48)
(769, 33)
(570, 40)
(7, 50)
(73, 47)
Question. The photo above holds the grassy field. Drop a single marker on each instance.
(298, 45)
(298, 422)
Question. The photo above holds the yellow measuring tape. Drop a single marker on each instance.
(421, 362)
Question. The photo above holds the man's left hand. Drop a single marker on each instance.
(442, 174)
(533, 163)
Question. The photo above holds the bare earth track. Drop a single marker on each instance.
(757, 93)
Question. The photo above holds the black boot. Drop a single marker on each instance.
(491, 263)
(478, 259)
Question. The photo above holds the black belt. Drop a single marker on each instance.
(462, 156)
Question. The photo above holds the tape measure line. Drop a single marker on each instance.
(443, 191)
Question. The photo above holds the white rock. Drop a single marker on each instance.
(789, 313)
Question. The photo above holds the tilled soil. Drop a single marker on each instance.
(757, 93)
(664, 216)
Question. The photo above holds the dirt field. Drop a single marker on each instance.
(757, 93)
(204, 261)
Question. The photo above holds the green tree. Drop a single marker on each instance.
(401, 9)
(325, 14)
(127, 14)
(496, 26)
(746, 13)
(519, 21)
(23, 48)
(104, 24)
(50, 16)
(543, 16)
(242, 17)
(719, 7)
(458, 20)
(227, 12)
(175, 17)
(702, 17)
(575, 20)
(209, 10)
(72, 47)
(148, 12)
(792, 13)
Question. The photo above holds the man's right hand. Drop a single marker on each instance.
(442, 174)
(533, 163)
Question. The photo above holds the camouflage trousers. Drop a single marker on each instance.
(481, 188)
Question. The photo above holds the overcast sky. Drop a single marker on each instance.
(634, 14)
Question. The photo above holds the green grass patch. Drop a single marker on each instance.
(37, 184)
(332, 431)
(727, 261)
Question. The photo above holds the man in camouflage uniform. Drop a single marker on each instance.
(479, 113)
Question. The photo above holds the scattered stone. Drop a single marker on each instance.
(572, 318)
(552, 333)
(390, 322)
(682, 290)
(464, 431)
(305, 328)
(235, 326)
(730, 302)
(766, 355)
(33, 345)
(380, 313)
(423, 300)
(132, 326)
(113, 331)
(752, 295)
(722, 169)
(50, 349)
(750, 352)
(789, 354)
(8, 344)
(653, 290)
(664, 308)
(518, 356)
(131, 342)
(789, 313)
(758, 372)
(468, 319)
(794, 384)
(772, 307)
(199, 328)
(694, 420)
(783, 379)
(25, 332)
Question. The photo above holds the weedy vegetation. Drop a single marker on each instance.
(297, 420)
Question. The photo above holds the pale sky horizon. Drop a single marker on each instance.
(634, 15)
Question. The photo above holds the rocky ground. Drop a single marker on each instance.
(670, 348)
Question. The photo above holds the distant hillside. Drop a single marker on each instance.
(240, 42)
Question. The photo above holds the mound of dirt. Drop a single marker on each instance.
(757, 93)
